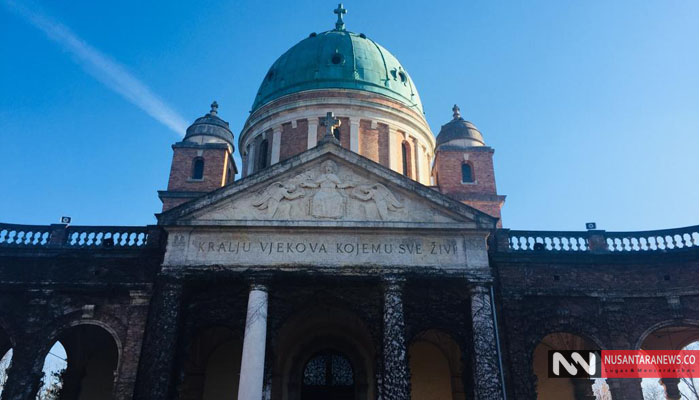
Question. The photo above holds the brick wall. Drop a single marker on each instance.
(383, 144)
(294, 140)
(369, 141)
(448, 165)
(481, 194)
(215, 164)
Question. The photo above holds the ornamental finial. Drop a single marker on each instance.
(214, 108)
(455, 112)
(340, 24)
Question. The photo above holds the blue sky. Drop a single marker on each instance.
(592, 106)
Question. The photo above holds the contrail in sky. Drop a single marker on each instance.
(108, 72)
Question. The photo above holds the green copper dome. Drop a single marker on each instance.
(338, 59)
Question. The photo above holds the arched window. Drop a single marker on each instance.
(198, 168)
(405, 154)
(328, 374)
(467, 173)
(262, 155)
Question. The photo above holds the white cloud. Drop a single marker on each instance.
(108, 72)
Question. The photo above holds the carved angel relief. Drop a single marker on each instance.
(323, 195)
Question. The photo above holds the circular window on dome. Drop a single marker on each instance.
(402, 76)
(337, 58)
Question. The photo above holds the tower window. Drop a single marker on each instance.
(406, 158)
(262, 155)
(198, 168)
(467, 173)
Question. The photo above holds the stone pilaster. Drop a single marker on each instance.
(250, 159)
(312, 135)
(276, 143)
(250, 385)
(625, 388)
(396, 382)
(487, 376)
(131, 349)
(416, 160)
(583, 389)
(155, 378)
(355, 134)
(671, 388)
(394, 150)
(24, 373)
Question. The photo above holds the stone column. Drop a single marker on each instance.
(312, 135)
(24, 373)
(625, 388)
(487, 376)
(355, 134)
(671, 388)
(396, 382)
(131, 349)
(583, 389)
(276, 142)
(250, 385)
(155, 377)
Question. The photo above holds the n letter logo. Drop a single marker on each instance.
(574, 364)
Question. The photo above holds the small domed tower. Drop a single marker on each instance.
(463, 167)
(202, 161)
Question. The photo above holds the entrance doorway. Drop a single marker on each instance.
(328, 375)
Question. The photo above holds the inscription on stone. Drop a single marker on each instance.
(316, 249)
(434, 248)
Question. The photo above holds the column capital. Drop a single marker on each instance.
(258, 282)
(258, 286)
(480, 288)
(394, 282)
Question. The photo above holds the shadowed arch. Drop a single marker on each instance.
(313, 331)
(212, 364)
(93, 352)
(436, 366)
(560, 388)
(679, 334)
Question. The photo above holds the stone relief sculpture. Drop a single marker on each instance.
(274, 194)
(382, 197)
(324, 192)
(328, 202)
(323, 195)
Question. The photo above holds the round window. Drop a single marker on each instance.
(337, 58)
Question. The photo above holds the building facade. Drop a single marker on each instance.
(359, 256)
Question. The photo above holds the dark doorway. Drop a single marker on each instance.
(328, 375)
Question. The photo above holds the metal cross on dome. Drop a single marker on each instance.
(340, 24)
(330, 122)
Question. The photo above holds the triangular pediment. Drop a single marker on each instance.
(327, 186)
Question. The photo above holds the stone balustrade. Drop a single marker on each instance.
(596, 241)
(63, 236)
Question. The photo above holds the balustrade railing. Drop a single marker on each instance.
(59, 235)
(667, 240)
(106, 236)
(24, 235)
